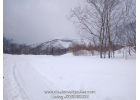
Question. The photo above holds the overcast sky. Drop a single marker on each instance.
(36, 21)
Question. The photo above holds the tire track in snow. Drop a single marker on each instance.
(21, 90)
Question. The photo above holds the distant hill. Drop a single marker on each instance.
(61, 45)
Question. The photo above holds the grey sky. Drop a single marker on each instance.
(36, 21)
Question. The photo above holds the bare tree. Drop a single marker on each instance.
(97, 19)
(127, 37)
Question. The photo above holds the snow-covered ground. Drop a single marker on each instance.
(26, 77)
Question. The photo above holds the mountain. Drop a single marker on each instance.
(56, 46)
(60, 43)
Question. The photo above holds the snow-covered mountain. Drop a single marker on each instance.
(60, 43)
(57, 43)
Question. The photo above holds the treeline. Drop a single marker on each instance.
(14, 48)
(82, 49)
(77, 47)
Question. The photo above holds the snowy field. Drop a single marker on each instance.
(26, 77)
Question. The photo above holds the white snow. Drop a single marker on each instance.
(26, 77)
(59, 44)
(64, 44)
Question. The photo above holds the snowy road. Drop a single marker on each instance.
(28, 76)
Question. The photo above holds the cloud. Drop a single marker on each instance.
(36, 21)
